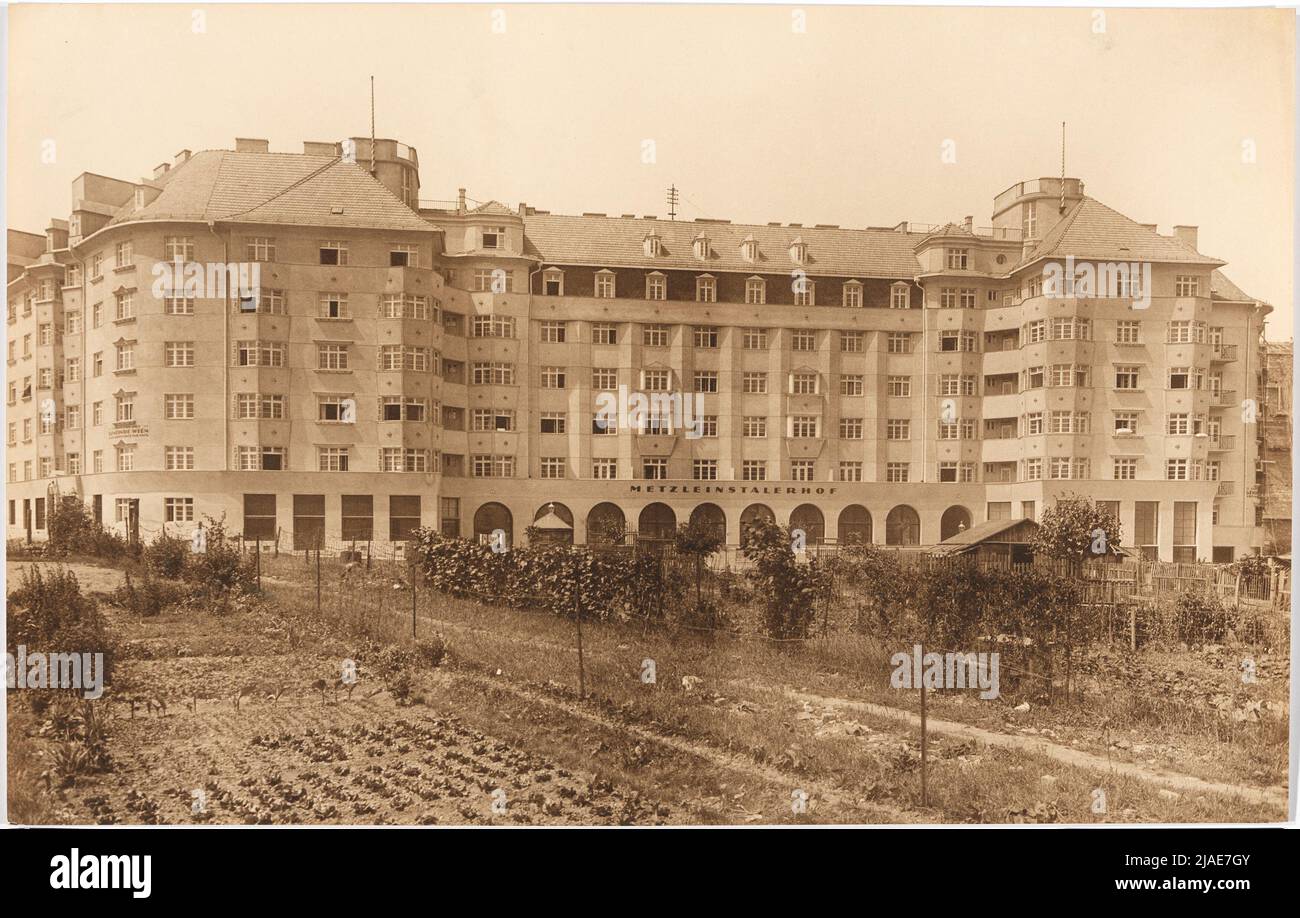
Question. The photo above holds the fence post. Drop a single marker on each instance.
(925, 795)
(318, 582)
(577, 607)
(259, 564)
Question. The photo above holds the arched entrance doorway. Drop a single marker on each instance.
(751, 515)
(903, 526)
(606, 525)
(855, 525)
(953, 521)
(657, 521)
(809, 519)
(492, 518)
(711, 518)
(552, 525)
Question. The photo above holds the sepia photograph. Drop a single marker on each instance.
(646, 415)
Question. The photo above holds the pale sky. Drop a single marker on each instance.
(754, 121)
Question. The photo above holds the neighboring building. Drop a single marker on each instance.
(406, 365)
(999, 541)
(1276, 458)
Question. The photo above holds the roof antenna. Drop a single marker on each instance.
(1061, 209)
(673, 198)
(372, 124)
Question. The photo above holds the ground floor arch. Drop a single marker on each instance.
(854, 525)
(954, 520)
(809, 519)
(712, 518)
(606, 524)
(656, 521)
(491, 518)
(903, 526)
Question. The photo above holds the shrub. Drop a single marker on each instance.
(72, 531)
(150, 597)
(166, 556)
(431, 651)
(49, 614)
(789, 588)
(1075, 528)
(220, 571)
(1199, 617)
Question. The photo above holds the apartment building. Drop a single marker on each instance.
(406, 363)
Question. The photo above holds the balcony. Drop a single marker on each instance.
(1223, 353)
(1222, 443)
(1226, 488)
(1224, 398)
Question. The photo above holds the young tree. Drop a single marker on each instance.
(1076, 529)
(697, 540)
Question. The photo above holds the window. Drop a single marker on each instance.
(754, 339)
(852, 342)
(404, 306)
(1029, 222)
(74, 463)
(331, 356)
(410, 459)
(332, 458)
(97, 315)
(656, 380)
(178, 458)
(402, 408)
(654, 335)
(1125, 468)
(604, 469)
(178, 354)
(754, 426)
(706, 336)
(754, 383)
(706, 289)
(653, 245)
(1185, 332)
(74, 417)
(1033, 469)
(852, 295)
(802, 470)
(755, 291)
(803, 341)
(896, 471)
(552, 467)
(1128, 332)
(175, 248)
(553, 377)
(899, 343)
(358, 516)
(260, 458)
(333, 253)
(259, 353)
(553, 422)
(605, 285)
(256, 406)
(953, 340)
(706, 380)
(335, 408)
(404, 256)
(803, 427)
(948, 298)
(500, 420)
(97, 461)
(1126, 423)
(97, 414)
(178, 305)
(954, 384)
(72, 373)
(602, 425)
(900, 386)
(1179, 424)
(490, 326)
(753, 470)
(125, 304)
(259, 248)
(704, 469)
(1180, 378)
(404, 357)
(494, 237)
(805, 291)
(604, 333)
(957, 259)
(125, 457)
(1186, 285)
(851, 428)
(553, 332)
(1176, 470)
(655, 469)
(1033, 423)
(1126, 377)
(125, 356)
(604, 378)
(1035, 331)
(900, 296)
(72, 321)
(898, 429)
(655, 286)
(176, 407)
(852, 384)
(804, 383)
(493, 374)
(334, 306)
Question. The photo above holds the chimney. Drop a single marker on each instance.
(523, 209)
(1149, 226)
(1187, 235)
(460, 200)
(250, 145)
(968, 224)
(161, 169)
(182, 157)
(317, 148)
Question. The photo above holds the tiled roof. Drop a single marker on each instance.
(1092, 230)
(1224, 289)
(983, 532)
(619, 242)
(286, 188)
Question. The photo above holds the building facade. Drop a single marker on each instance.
(396, 363)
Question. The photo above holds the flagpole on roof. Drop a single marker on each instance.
(372, 124)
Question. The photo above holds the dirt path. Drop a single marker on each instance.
(1276, 796)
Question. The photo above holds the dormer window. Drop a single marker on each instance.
(494, 237)
(799, 251)
(701, 246)
(749, 249)
(653, 245)
(553, 282)
(853, 294)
